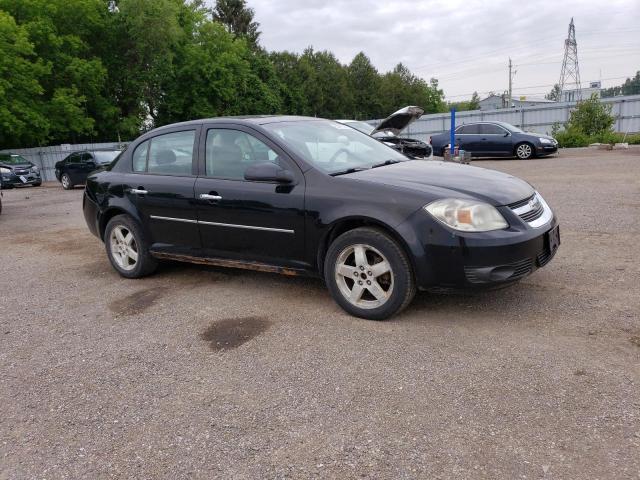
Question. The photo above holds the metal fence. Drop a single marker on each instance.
(539, 118)
(46, 157)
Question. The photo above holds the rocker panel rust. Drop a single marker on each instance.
(222, 262)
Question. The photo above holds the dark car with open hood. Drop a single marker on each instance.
(15, 170)
(306, 196)
(388, 132)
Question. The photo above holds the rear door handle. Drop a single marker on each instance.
(138, 191)
(207, 196)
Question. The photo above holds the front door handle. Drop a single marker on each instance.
(207, 196)
(138, 191)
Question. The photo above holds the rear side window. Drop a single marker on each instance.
(75, 158)
(169, 154)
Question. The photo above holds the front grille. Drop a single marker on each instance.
(545, 257)
(531, 215)
(522, 268)
(520, 203)
(529, 209)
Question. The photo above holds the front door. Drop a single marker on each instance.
(162, 189)
(248, 220)
(496, 139)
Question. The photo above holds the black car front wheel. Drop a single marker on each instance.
(369, 274)
(127, 248)
(66, 181)
(524, 151)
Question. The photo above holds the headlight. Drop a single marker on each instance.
(35, 169)
(5, 170)
(467, 215)
(545, 140)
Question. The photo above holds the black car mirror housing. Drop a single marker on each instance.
(268, 172)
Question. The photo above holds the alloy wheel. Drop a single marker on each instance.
(524, 151)
(65, 181)
(364, 276)
(123, 247)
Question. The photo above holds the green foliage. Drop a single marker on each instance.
(591, 117)
(97, 70)
(631, 86)
(554, 94)
(473, 104)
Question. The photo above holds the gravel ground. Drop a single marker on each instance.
(210, 373)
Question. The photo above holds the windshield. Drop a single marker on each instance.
(12, 159)
(512, 128)
(106, 156)
(364, 127)
(333, 147)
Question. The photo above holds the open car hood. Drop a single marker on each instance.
(398, 121)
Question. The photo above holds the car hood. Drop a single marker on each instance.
(450, 180)
(19, 166)
(398, 121)
(540, 135)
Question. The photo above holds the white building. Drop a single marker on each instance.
(572, 95)
(494, 102)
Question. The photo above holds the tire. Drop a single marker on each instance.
(65, 179)
(37, 184)
(123, 238)
(524, 151)
(357, 254)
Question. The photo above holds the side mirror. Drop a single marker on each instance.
(268, 172)
(506, 134)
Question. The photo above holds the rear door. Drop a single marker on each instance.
(247, 220)
(161, 187)
(468, 138)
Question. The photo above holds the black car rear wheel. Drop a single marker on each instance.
(524, 151)
(368, 274)
(127, 248)
(65, 179)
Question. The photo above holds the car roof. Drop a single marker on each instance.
(242, 119)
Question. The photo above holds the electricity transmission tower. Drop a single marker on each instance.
(570, 69)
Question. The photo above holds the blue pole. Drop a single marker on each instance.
(453, 132)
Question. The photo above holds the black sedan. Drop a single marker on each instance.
(299, 195)
(75, 167)
(496, 139)
(15, 170)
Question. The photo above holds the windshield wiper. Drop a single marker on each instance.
(386, 162)
(348, 170)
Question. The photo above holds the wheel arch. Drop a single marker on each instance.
(108, 214)
(342, 225)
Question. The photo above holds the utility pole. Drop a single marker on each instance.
(570, 69)
(510, 84)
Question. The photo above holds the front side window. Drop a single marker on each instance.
(468, 130)
(74, 159)
(140, 157)
(333, 147)
(489, 129)
(230, 152)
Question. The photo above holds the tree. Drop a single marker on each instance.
(591, 117)
(237, 19)
(22, 117)
(364, 83)
(554, 94)
(631, 86)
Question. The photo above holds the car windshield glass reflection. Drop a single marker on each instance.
(333, 147)
(12, 160)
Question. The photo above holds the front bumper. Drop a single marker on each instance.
(12, 180)
(448, 260)
(546, 149)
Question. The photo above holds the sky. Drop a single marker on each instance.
(465, 44)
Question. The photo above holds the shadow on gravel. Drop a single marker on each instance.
(137, 302)
(230, 333)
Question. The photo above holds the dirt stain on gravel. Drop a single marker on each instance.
(137, 302)
(230, 333)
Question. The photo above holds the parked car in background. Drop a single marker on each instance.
(496, 139)
(74, 168)
(299, 195)
(388, 132)
(17, 171)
